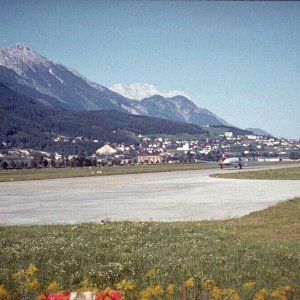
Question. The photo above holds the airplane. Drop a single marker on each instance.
(230, 161)
(236, 162)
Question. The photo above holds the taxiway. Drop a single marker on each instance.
(170, 196)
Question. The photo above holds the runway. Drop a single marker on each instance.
(170, 196)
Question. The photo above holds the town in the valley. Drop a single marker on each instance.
(157, 149)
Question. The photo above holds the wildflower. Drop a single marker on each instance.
(126, 285)
(85, 285)
(170, 289)
(109, 294)
(53, 286)
(261, 294)
(19, 275)
(190, 282)
(281, 292)
(287, 288)
(144, 295)
(31, 269)
(217, 293)
(32, 285)
(209, 284)
(231, 294)
(152, 273)
(157, 290)
(249, 285)
(152, 291)
(3, 292)
(56, 296)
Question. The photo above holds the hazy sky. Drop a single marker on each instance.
(239, 60)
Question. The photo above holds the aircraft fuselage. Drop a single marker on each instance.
(231, 161)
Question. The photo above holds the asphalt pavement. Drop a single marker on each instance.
(170, 196)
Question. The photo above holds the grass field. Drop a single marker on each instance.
(52, 173)
(258, 254)
(282, 174)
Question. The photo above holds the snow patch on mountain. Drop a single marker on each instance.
(52, 73)
(139, 91)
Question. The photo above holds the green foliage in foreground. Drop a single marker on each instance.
(263, 247)
(53, 173)
(280, 174)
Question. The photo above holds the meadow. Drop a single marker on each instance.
(253, 257)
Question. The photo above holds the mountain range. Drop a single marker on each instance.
(29, 73)
(139, 91)
(27, 123)
(41, 101)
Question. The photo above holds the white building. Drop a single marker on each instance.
(106, 150)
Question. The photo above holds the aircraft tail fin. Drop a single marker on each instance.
(223, 155)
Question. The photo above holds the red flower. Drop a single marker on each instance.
(109, 295)
(57, 296)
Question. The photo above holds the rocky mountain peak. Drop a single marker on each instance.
(20, 57)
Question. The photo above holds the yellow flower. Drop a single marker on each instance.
(53, 286)
(287, 288)
(152, 291)
(278, 294)
(209, 284)
(20, 274)
(231, 294)
(32, 285)
(126, 285)
(157, 290)
(31, 269)
(3, 292)
(190, 282)
(217, 293)
(152, 273)
(261, 294)
(249, 285)
(144, 295)
(170, 289)
(281, 292)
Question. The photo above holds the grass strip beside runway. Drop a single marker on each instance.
(54, 173)
(278, 174)
(248, 254)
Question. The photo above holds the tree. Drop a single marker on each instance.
(4, 164)
(86, 162)
(295, 155)
(45, 163)
(13, 164)
(38, 158)
(52, 163)
(94, 162)
(33, 163)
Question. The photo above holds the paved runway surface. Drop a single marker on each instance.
(171, 196)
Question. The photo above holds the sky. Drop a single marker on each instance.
(240, 60)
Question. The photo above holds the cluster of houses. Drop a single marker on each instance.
(153, 150)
